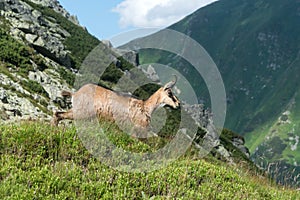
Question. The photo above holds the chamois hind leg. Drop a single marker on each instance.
(60, 115)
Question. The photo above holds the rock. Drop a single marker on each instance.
(52, 86)
(223, 152)
(3, 96)
(240, 144)
(30, 27)
(44, 35)
(151, 73)
(31, 38)
(237, 141)
(130, 56)
(55, 5)
(107, 43)
(16, 108)
(3, 114)
(25, 27)
(36, 14)
(211, 140)
(197, 111)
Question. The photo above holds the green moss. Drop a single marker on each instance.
(112, 74)
(14, 52)
(66, 75)
(34, 87)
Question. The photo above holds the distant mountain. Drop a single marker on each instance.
(256, 46)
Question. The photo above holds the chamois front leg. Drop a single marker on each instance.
(60, 115)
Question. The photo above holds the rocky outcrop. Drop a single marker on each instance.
(55, 5)
(15, 108)
(18, 103)
(44, 28)
(202, 116)
(240, 144)
(151, 73)
(211, 141)
(130, 56)
(41, 32)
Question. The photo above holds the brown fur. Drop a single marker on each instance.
(92, 99)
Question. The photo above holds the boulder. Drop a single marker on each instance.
(3, 96)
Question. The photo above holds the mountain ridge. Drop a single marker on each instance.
(255, 45)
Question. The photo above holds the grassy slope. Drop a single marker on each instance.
(278, 142)
(39, 161)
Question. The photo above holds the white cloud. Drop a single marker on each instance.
(155, 13)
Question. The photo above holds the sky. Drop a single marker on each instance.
(106, 19)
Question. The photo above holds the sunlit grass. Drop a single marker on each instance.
(43, 162)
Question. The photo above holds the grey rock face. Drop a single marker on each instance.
(151, 73)
(13, 107)
(240, 144)
(211, 140)
(55, 5)
(44, 34)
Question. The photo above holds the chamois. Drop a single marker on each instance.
(114, 106)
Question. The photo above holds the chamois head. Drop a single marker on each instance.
(166, 95)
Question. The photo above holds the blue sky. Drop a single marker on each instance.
(107, 18)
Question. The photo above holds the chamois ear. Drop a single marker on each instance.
(171, 84)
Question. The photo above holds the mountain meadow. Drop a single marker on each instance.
(39, 161)
(256, 156)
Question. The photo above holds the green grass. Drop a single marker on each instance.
(14, 53)
(271, 145)
(275, 128)
(257, 137)
(43, 162)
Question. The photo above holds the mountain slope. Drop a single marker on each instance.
(42, 49)
(256, 46)
(56, 165)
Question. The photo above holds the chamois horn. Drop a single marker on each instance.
(171, 83)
